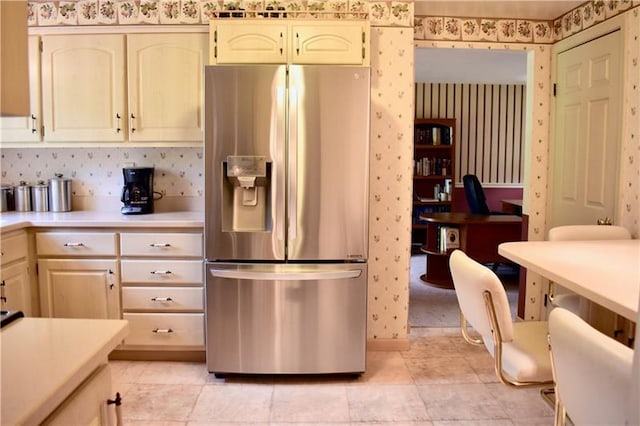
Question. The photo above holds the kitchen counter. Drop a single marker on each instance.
(43, 360)
(10, 221)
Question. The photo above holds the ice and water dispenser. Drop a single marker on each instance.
(246, 193)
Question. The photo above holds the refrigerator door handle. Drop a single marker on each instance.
(284, 276)
(280, 162)
(293, 163)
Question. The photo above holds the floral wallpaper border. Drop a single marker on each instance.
(136, 12)
(519, 30)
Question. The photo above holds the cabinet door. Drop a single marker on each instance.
(239, 43)
(87, 405)
(83, 87)
(329, 43)
(74, 288)
(27, 129)
(15, 288)
(165, 75)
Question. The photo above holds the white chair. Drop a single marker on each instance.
(593, 373)
(520, 349)
(571, 301)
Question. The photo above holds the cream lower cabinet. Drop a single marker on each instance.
(15, 274)
(295, 42)
(123, 88)
(162, 290)
(88, 404)
(72, 285)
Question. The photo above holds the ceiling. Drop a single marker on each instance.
(481, 66)
(535, 9)
(470, 66)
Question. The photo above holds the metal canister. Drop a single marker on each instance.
(40, 197)
(59, 194)
(6, 198)
(22, 197)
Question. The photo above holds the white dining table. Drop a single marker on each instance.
(605, 272)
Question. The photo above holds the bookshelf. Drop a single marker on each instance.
(433, 177)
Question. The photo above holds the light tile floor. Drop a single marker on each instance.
(440, 380)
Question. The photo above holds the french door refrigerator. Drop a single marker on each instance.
(286, 227)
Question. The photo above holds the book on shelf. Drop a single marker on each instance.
(433, 134)
(449, 238)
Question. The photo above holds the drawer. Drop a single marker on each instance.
(14, 247)
(162, 271)
(165, 329)
(76, 244)
(161, 244)
(163, 298)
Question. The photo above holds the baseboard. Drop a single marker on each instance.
(388, 344)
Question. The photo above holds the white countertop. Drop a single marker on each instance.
(43, 360)
(605, 271)
(10, 221)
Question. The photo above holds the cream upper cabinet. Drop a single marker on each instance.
(123, 88)
(27, 129)
(264, 42)
(295, 42)
(164, 73)
(327, 42)
(83, 87)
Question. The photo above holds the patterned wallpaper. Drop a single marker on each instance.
(98, 171)
(519, 30)
(134, 12)
(390, 181)
(490, 121)
(630, 158)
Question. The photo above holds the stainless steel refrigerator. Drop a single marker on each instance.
(286, 227)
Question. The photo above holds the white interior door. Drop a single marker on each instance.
(585, 152)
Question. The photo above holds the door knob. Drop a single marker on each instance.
(604, 221)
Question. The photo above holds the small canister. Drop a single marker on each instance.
(40, 197)
(22, 197)
(59, 194)
(6, 198)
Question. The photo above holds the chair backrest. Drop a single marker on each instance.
(475, 195)
(588, 232)
(471, 279)
(593, 372)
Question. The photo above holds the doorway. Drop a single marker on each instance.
(435, 307)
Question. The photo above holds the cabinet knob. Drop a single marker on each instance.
(162, 330)
(161, 299)
(159, 245)
(166, 272)
(133, 128)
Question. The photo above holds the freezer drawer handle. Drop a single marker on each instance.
(285, 276)
(162, 330)
(160, 245)
(74, 244)
(161, 299)
(160, 272)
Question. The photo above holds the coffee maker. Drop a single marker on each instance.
(137, 192)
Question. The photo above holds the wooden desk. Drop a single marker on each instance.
(606, 272)
(480, 236)
(512, 207)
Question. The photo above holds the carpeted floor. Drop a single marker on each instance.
(434, 307)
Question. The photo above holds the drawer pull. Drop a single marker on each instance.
(74, 244)
(161, 299)
(160, 245)
(161, 272)
(162, 330)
